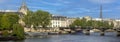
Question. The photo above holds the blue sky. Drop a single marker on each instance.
(70, 8)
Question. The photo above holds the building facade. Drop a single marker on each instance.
(59, 21)
(87, 18)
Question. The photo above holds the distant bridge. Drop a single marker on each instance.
(88, 30)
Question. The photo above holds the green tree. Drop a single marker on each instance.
(42, 18)
(108, 24)
(13, 18)
(77, 23)
(111, 25)
(38, 18)
(101, 24)
(5, 33)
(5, 23)
(28, 19)
(95, 24)
(89, 24)
(8, 20)
(18, 31)
(0, 21)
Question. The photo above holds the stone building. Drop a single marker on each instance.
(23, 9)
(88, 18)
(70, 21)
(59, 21)
(116, 23)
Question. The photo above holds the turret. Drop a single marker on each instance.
(23, 9)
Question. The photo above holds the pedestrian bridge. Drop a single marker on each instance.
(88, 30)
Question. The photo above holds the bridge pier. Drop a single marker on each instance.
(118, 33)
(102, 32)
(87, 32)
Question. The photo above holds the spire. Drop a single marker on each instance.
(101, 12)
(23, 3)
(23, 9)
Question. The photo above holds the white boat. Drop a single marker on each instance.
(91, 31)
(37, 33)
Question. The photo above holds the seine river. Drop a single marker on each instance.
(94, 37)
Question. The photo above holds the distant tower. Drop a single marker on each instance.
(23, 9)
(101, 12)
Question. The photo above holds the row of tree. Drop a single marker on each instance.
(83, 23)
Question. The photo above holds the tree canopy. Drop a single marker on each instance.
(38, 18)
(91, 23)
(9, 22)
(8, 19)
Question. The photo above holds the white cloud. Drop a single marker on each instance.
(102, 1)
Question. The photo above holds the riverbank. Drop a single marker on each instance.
(9, 38)
(94, 37)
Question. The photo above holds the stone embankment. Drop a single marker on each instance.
(50, 30)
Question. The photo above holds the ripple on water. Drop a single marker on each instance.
(95, 37)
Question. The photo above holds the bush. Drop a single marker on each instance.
(5, 33)
(18, 31)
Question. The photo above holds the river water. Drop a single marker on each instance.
(94, 37)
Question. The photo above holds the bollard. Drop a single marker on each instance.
(102, 33)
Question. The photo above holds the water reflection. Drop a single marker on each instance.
(94, 37)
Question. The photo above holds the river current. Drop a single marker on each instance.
(94, 37)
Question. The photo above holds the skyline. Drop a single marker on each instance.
(69, 8)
